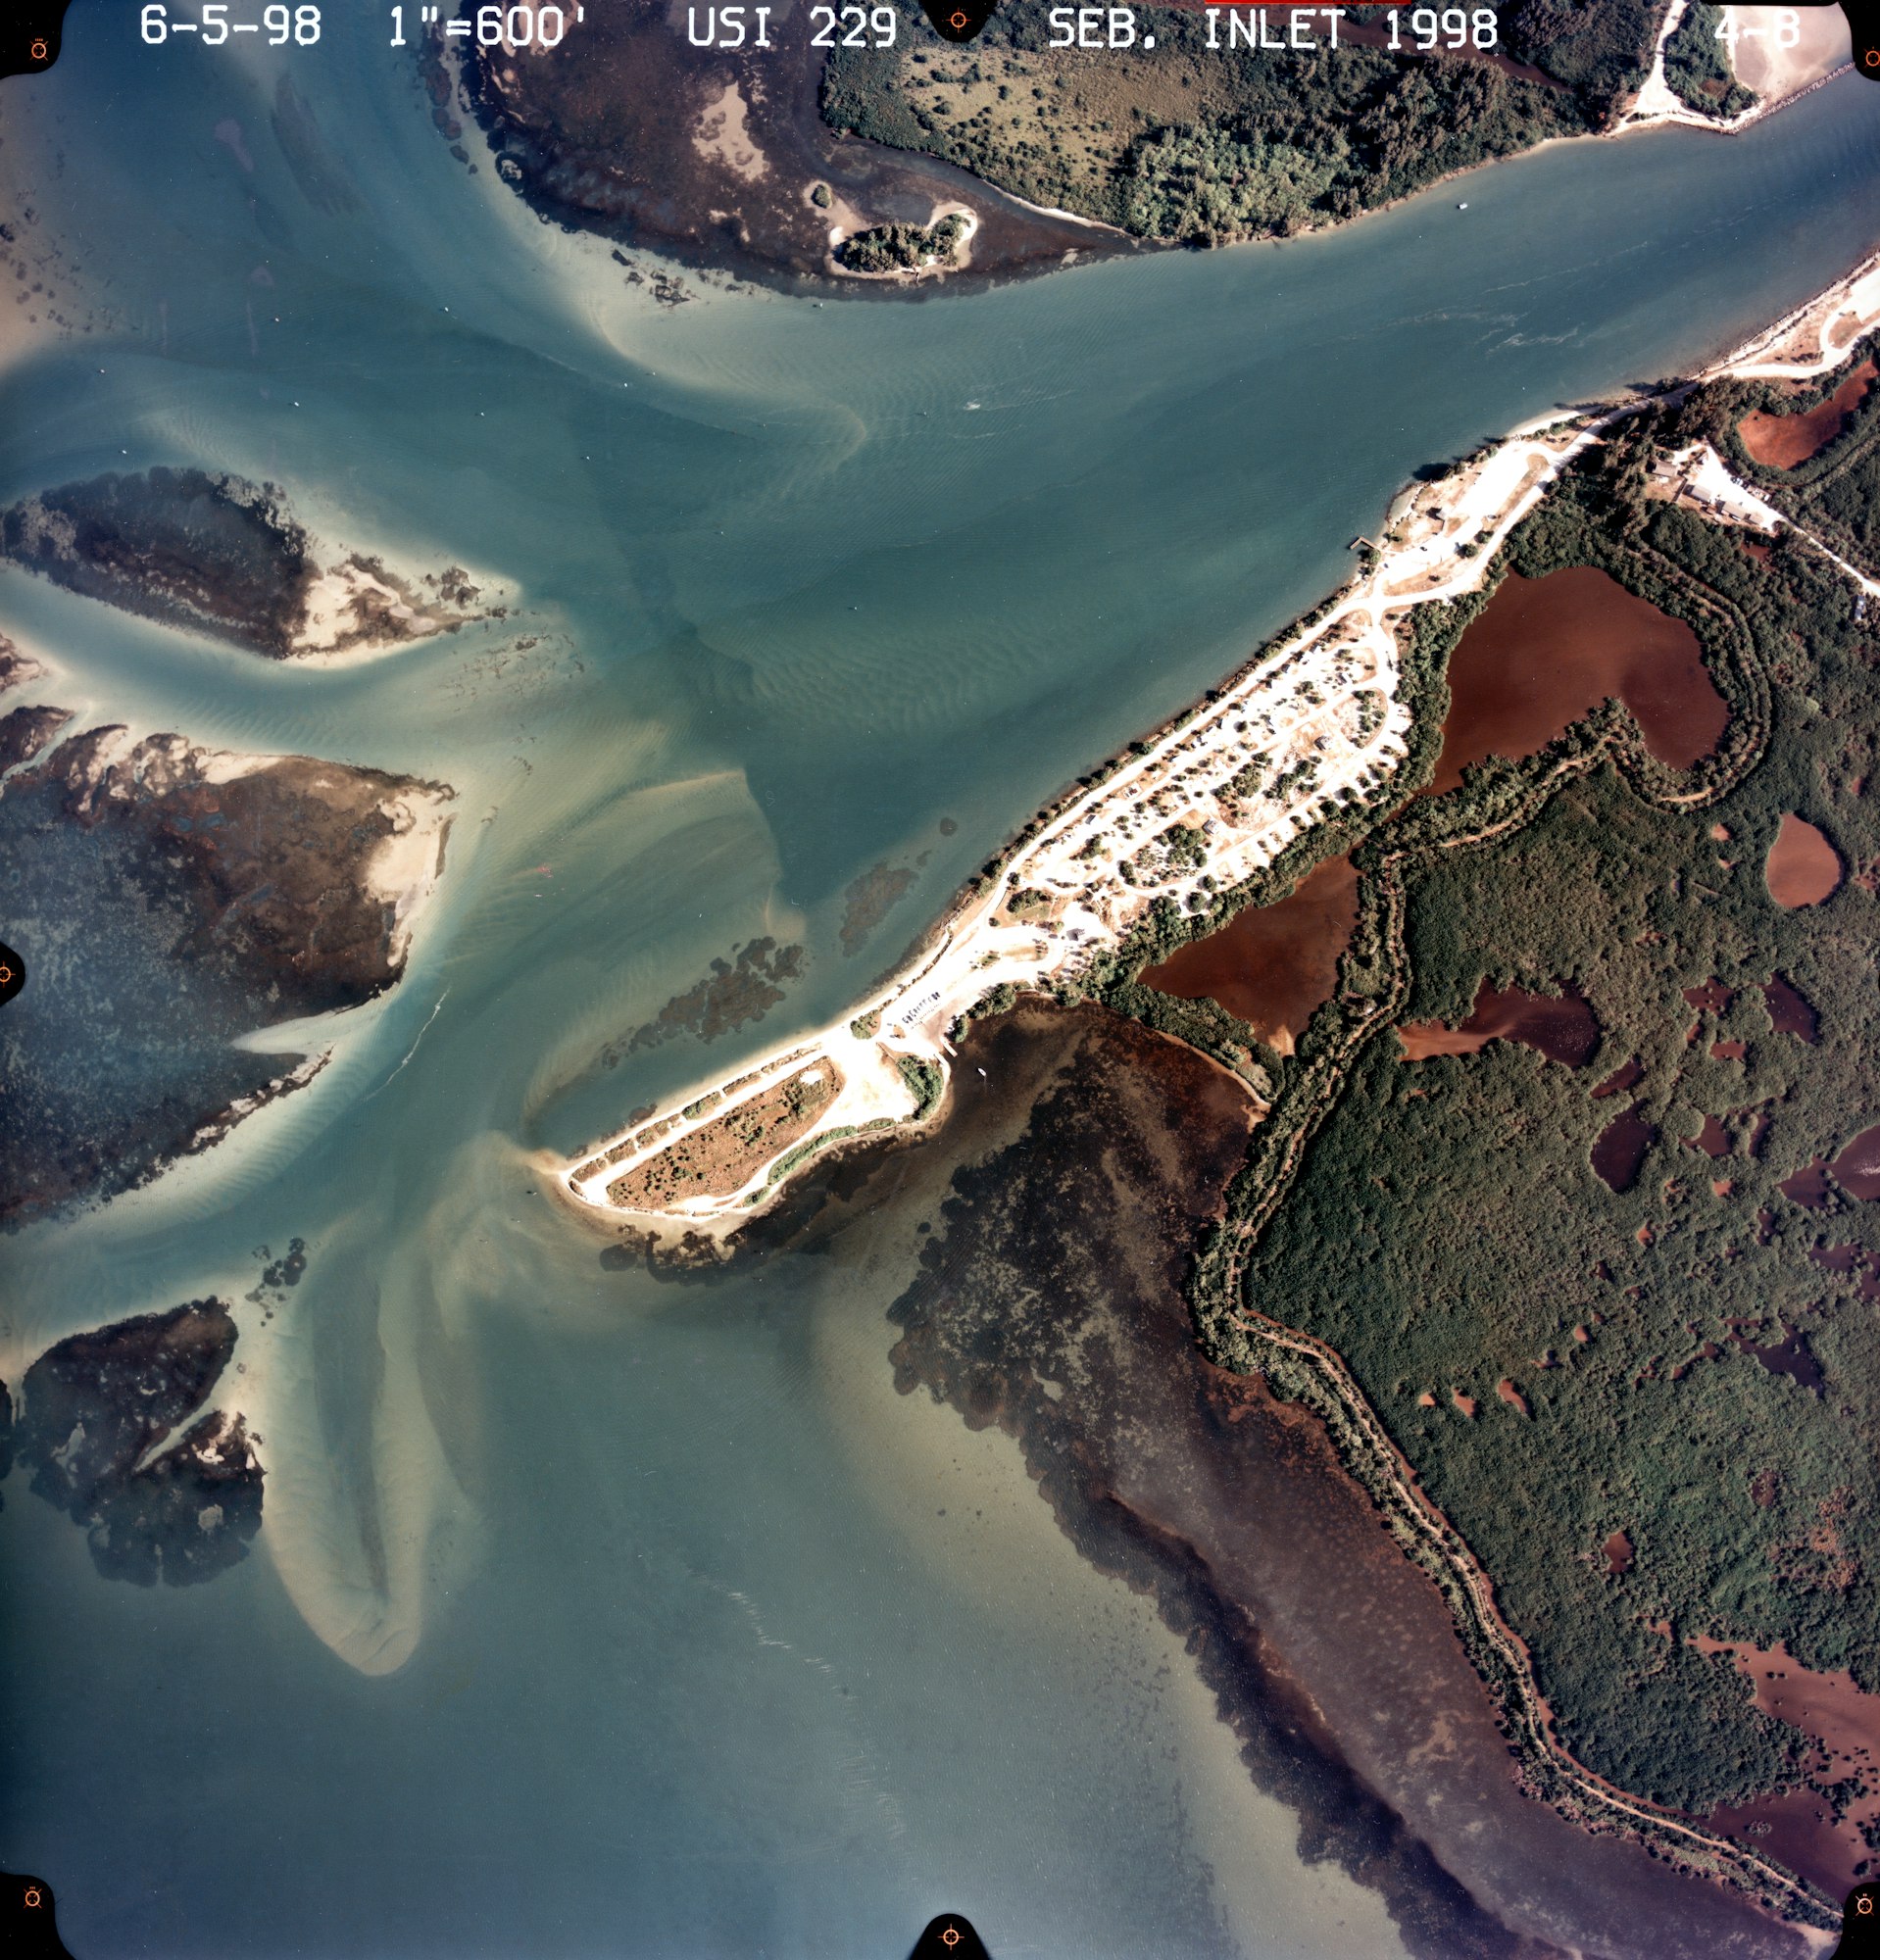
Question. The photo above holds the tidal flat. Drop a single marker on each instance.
(1091, 1149)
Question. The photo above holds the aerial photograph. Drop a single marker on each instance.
(939, 980)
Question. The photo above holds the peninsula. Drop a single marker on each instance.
(224, 894)
(807, 162)
(1315, 727)
(1311, 726)
(1317, 746)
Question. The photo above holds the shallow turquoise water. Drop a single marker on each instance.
(805, 581)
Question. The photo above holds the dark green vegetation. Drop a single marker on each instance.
(717, 157)
(902, 248)
(724, 1000)
(1178, 849)
(1205, 146)
(1698, 70)
(867, 900)
(211, 904)
(924, 1080)
(98, 1433)
(1696, 1354)
(1601, 49)
(213, 553)
(996, 999)
(1836, 493)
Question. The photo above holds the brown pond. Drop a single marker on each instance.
(1619, 1552)
(1620, 1080)
(1791, 1355)
(1790, 1012)
(1561, 1028)
(1845, 1723)
(1273, 964)
(1856, 1170)
(1803, 868)
(1619, 1149)
(1545, 651)
(1807, 1187)
(1781, 442)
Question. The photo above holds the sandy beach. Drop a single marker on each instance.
(1316, 717)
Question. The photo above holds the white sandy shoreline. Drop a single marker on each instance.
(1316, 715)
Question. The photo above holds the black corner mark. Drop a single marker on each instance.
(1859, 1926)
(1863, 17)
(12, 973)
(29, 1927)
(30, 35)
(949, 1937)
(959, 21)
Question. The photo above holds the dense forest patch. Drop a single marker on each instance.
(1205, 145)
(1694, 1351)
(902, 248)
(1696, 65)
